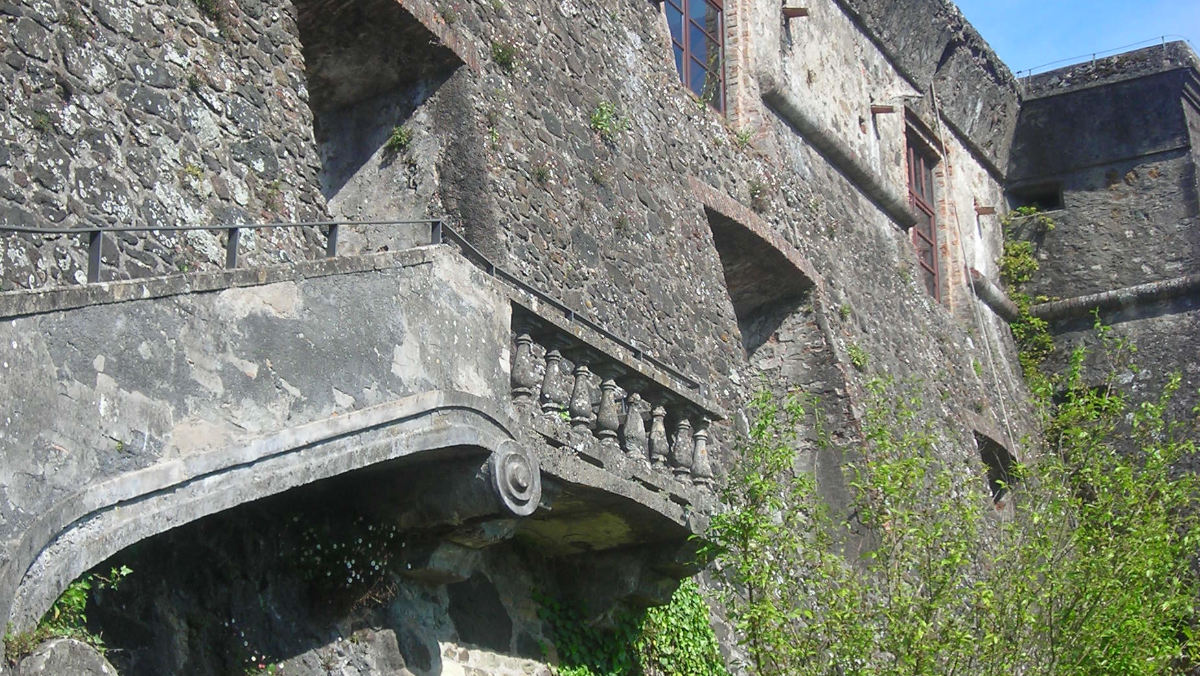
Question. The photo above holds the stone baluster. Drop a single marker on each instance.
(554, 386)
(682, 449)
(524, 372)
(608, 415)
(581, 400)
(658, 438)
(702, 474)
(634, 431)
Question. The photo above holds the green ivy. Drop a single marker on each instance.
(677, 639)
(1018, 264)
(672, 640)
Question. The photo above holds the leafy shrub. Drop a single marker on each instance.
(1091, 573)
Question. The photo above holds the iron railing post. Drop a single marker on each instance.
(95, 245)
(231, 248)
(331, 242)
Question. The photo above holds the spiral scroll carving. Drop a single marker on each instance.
(516, 478)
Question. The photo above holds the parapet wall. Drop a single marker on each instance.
(1132, 65)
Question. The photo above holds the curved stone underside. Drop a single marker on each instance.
(106, 517)
(591, 509)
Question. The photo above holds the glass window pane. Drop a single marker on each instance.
(696, 78)
(713, 63)
(699, 44)
(713, 92)
(706, 16)
(679, 61)
(675, 21)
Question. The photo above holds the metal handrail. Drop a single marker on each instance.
(438, 233)
(96, 233)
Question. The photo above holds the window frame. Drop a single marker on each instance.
(920, 160)
(686, 60)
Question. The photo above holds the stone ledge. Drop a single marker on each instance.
(99, 520)
(433, 21)
(889, 200)
(741, 215)
(1129, 296)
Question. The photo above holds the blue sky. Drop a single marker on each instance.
(1029, 33)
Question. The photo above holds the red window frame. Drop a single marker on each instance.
(921, 196)
(699, 47)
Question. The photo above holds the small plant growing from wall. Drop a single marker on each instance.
(858, 356)
(194, 83)
(347, 563)
(67, 618)
(210, 9)
(399, 140)
(504, 55)
(757, 189)
(743, 138)
(606, 121)
(42, 122)
(450, 12)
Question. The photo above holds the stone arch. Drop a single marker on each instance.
(100, 520)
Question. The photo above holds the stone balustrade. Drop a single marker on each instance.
(600, 406)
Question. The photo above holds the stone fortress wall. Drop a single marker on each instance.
(1111, 145)
(768, 245)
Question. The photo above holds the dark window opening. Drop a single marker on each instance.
(1043, 197)
(370, 65)
(764, 286)
(698, 40)
(921, 195)
(1001, 468)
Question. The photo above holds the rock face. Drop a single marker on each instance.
(630, 265)
(153, 114)
(1112, 147)
(319, 582)
(61, 656)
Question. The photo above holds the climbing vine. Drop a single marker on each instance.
(1018, 264)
